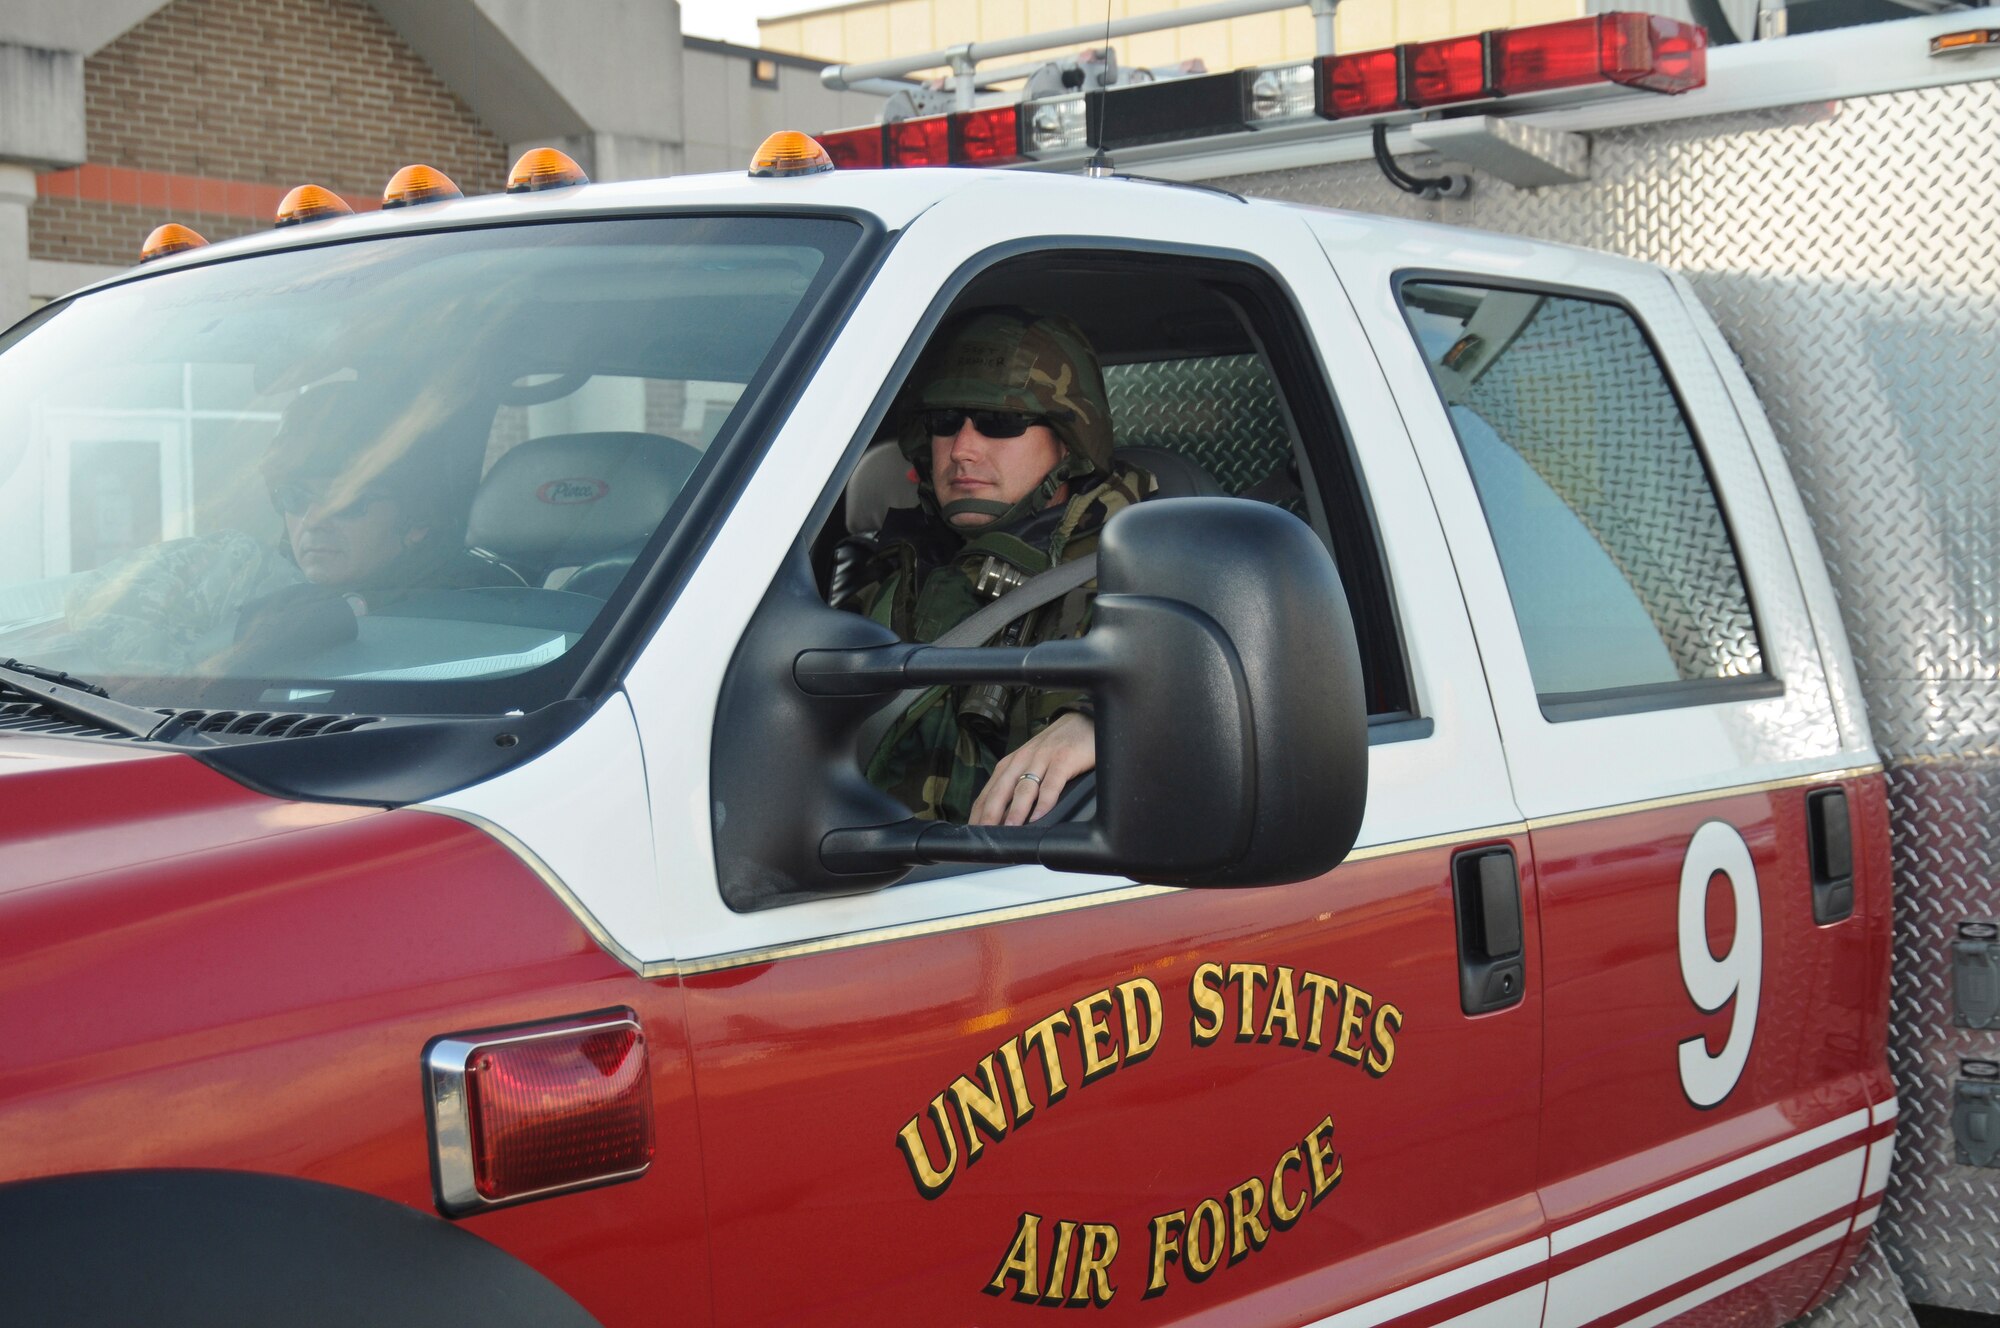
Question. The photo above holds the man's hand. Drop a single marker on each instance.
(1055, 756)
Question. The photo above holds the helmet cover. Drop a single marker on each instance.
(1012, 359)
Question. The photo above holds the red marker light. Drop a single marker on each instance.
(920, 142)
(1366, 83)
(854, 149)
(522, 1114)
(1446, 71)
(991, 137)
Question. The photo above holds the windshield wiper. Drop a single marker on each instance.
(47, 674)
(80, 700)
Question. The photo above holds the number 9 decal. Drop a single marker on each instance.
(1712, 982)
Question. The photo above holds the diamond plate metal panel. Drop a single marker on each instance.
(1222, 413)
(1872, 1295)
(1845, 250)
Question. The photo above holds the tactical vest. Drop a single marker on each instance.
(939, 753)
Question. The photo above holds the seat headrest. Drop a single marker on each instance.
(572, 498)
(1179, 477)
(881, 481)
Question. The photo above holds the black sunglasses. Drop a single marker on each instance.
(989, 423)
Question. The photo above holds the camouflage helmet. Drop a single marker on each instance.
(1015, 359)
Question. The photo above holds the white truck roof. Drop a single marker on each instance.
(893, 197)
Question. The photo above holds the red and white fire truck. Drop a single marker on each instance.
(1479, 915)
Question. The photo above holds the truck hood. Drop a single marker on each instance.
(74, 808)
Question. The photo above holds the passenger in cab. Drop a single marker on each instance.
(373, 509)
(1007, 425)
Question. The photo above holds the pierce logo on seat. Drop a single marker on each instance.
(568, 492)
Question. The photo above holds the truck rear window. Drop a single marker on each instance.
(1616, 554)
(412, 474)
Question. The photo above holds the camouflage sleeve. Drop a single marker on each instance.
(159, 609)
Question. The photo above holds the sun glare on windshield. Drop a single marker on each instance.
(395, 469)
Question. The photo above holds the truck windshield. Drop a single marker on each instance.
(413, 474)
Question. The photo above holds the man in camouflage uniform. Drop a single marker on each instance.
(1009, 430)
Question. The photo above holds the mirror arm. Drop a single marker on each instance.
(873, 670)
(888, 847)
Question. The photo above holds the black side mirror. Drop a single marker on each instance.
(1232, 730)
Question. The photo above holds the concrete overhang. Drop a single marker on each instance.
(41, 106)
(82, 26)
(531, 70)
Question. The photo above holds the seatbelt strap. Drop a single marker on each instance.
(1037, 590)
(1022, 600)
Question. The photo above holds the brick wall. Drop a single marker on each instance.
(208, 96)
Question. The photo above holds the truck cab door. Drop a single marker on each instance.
(979, 1095)
(1695, 814)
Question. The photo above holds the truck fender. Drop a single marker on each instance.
(229, 1247)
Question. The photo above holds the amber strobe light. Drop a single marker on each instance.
(537, 1111)
(172, 238)
(1964, 41)
(789, 152)
(544, 168)
(419, 184)
(309, 202)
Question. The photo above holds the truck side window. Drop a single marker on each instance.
(1213, 388)
(1616, 554)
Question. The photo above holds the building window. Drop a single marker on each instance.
(764, 73)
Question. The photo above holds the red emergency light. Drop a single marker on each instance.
(1439, 72)
(925, 141)
(1634, 50)
(1637, 50)
(1365, 83)
(854, 149)
(538, 1111)
(989, 137)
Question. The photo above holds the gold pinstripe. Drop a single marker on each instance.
(533, 862)
(667, 968)
(1711, 795)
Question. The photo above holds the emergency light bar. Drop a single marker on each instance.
(1634, 50)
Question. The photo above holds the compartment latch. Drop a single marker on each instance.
(1975, 974)
(1975, 1113)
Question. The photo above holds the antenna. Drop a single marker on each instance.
(1100, 162)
